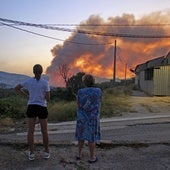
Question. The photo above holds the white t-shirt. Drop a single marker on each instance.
(37, 90)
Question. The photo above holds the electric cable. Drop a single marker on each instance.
(28, 31)
(86, 32)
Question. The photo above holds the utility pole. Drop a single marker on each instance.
(114, 65)
(125, 72)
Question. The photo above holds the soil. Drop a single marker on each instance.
(141, 104)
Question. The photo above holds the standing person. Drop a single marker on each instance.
(88, 116)
(38, 95)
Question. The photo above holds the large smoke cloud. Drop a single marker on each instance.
(98, 59)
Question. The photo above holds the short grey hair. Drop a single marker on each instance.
(88, 80)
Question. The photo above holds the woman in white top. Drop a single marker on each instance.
(38, 95)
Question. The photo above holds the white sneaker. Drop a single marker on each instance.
(46, 155)
(31, 156)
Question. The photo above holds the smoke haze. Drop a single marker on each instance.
(98, 59)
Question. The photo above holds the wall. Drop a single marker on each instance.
(162, 80)
(144, 85)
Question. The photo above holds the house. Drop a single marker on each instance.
(153, 76)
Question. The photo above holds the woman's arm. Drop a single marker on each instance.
(47, 96)
(19, 90)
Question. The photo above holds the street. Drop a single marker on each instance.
(141, 143)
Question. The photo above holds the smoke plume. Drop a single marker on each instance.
(94, 54)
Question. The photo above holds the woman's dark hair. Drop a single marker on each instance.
(88, 80)
(37, 70)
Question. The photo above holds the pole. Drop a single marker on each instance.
(125, 72)
(114, 65)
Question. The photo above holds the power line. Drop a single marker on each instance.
(28, 31)
(84, 31)
(96, 25)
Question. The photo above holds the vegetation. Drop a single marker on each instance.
(13, 107)
(62, 108)
(115, 101)
(63, 105)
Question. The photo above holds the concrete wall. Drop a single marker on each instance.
(144, 85)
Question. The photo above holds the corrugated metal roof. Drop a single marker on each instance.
(140, 67)
(167, 59)
(163, 60)
(155, 62)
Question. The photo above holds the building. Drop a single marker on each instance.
(153, 76)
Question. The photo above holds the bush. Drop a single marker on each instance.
(62, 111)
(58, 94)
(6, 93)
(115, 101)
(14, 107)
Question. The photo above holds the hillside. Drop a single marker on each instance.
(9, 80)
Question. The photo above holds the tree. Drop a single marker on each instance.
(74, 83)
(64, 71)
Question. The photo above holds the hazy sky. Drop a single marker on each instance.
(19, 50)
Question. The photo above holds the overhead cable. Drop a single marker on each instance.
(86, 32)
(28, 31)
(92, 25)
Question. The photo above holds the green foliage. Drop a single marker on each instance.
(103, 85)
(119, 90)
(115, 101)
(14, 107)
(60, 93)
(61, 108)
(69, 93)
(75, 82)
(62, 111)
(6, 93)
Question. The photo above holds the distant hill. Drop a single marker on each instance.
(10, 80)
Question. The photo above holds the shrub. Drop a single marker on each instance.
(60, 93)
(62, 111)
(6, 93)
(115, 101)
(14, 107)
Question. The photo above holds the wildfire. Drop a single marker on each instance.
(88, 66)
(98, 59)
(79, 63)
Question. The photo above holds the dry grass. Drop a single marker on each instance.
(6, 122)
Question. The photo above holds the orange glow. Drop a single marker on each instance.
(79, 62)
(96, 53)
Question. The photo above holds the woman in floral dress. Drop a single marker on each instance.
(88, 116)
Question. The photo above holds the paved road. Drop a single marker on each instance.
(128, 143)
(152, 129)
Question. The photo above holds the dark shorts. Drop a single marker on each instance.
(37, 111)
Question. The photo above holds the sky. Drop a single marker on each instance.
(20, 50)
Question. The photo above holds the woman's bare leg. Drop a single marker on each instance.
(92, 146)
(30, 135)
(80, 147)
(44, 131)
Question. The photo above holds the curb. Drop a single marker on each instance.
(101, 144)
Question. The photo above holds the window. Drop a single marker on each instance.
(149, 74)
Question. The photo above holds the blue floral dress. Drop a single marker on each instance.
(88, 114)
